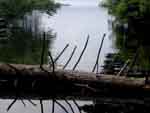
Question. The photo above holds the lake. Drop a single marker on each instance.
(72, 25)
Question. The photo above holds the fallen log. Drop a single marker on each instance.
(32, 82)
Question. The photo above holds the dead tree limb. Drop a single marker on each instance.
(81, 53)
(41, 103)
(61, 53)
(43, 51)
(124, 67)
(66, 84)
(61, 106)
(30, 101)
(77, 105)
(70, 57)
(23, 103)
(70, 106)
(52, 61)
(13, 102)
(98, 55)
(53, 105)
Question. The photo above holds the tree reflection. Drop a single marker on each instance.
(23, 44)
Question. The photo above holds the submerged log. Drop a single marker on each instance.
(31, 82)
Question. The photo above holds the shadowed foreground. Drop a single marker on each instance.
(33, 82)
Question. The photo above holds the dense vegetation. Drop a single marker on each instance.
(23, 48)
(18, 8)
(131, 27)
(18, 43)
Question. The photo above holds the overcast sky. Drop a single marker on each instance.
(80, 2)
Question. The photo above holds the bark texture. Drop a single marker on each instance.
(32, 82)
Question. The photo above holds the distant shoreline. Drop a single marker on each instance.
(65, 4)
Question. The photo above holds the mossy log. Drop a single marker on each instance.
(32, 82)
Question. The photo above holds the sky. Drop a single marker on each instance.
(80, 2)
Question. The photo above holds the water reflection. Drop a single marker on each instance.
(72, 25)
(24, 44)
(19, 107)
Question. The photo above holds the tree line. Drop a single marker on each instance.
(20, 44)
(18, 8)
(131, 28)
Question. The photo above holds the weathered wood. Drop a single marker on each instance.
(30, 82)
(117, 106)
(124, 67)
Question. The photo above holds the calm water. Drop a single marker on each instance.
(19, 107)
(71, 25)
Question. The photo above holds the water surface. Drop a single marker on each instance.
(72, 25)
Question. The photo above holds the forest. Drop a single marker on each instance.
(20, 42)
(131, 29)
(18, 8)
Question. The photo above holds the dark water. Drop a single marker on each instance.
(22, 43)
(70, 25)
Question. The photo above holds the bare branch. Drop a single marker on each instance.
(61, 53)
(134, 60)
(70, 106)
(52, 61)
(124, 67)
(43, 51)
(42, 54)
(41, 103)
(77, 105)
(13, 102)
(61, 106)
(98, 55)
(53, 105)
(70, 57)
(13, 67)
(23, 103)
(81, 53)
(32, 102)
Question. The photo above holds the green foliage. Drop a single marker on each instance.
(23, 48)
(136, 14)
(120, 9)
(124, 9)
(145, 7)
(18, 8)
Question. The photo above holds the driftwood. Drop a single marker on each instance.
(117, 106)
(31, 82)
